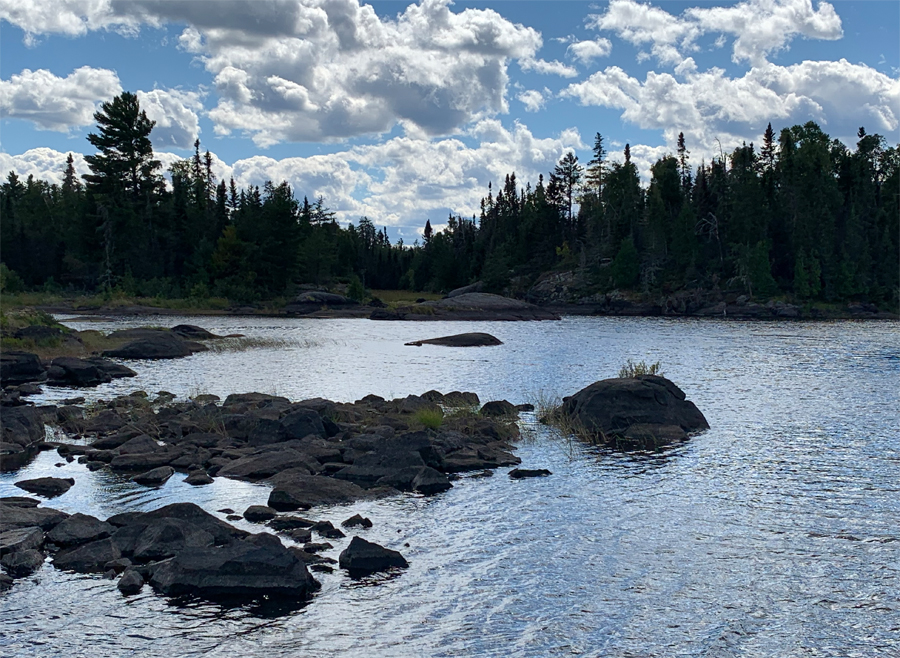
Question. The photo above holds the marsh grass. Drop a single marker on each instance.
(632, 369)
(429, 418)
(221, 345)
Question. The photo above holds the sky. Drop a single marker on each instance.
(404, 112)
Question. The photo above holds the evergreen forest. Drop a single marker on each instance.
(800, 216)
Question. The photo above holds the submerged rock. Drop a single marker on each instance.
(47, 486)
(460, 340)
(154, 477)
(519, 473)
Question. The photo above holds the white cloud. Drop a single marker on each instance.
(55, 103)
(175, 113)
(42, 163)
(760, 27)
(548, 68)
(708, 106)
(587, 51)
(67, 17)
(532, 99)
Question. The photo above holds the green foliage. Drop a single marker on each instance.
(356, 291)
(9, 280)
(430, 418)
(632, 369)
(626, 268)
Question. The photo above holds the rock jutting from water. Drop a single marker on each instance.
(460, 340)
(646, 411)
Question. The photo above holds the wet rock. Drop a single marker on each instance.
(18, 516)
(300, 535)
(428, 481)
(362, 557)
(460, 340)
(154, 477)
(47, 486)
(17, 367)
(146, 461)
(520, 473)
(6, 582)
(198, 479)
(290, 523)
(192, 332)
(161, 345)
(313, 547)
(79, 529)
(22, 563)
(461, 399)
(654, 404)
(498, 408)
(22, 433)
(259, 513)
(357, 521)
(257, 567)
(111, 368)
(163, 538)
(88, 558)
(266, 464)
(321, 568)
(131, 582)
(485, 306)
(294, 490)
(118, 566)
(20, 539)
(72, 371)
(313, 300)
(19, 501)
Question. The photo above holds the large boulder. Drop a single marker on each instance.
(646, 411)
(268, 463)
(193, 332)
(154, 477)
(72, 371)
(460, 340)
(256, 567)
(47, 486)
(295, 490)
(111, 368)
(17, 367)
(314, 300)
(362, 557)
(20, 539)
(20, 516)
(88, 558)
(485, 306)
(22, 433)
(79, 529)
(157, 345)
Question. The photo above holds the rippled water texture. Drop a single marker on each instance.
(776, 533)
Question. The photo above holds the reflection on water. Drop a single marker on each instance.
(772, 534)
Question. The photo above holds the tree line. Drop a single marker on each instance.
(802, 216)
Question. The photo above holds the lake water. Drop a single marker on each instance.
(775, 533)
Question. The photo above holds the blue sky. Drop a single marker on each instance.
(404, 112)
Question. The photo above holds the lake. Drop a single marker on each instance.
(775, 533)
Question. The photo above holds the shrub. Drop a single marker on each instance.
(632, 369)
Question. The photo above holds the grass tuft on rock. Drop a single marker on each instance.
(429, 418)
(632, 369)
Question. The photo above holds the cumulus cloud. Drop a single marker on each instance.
(587, 51)
(532, 99)
(761, 27)
(42, 163)
(68, 17)
(708, 106)
(548, 68)
(175, 113)
(55, 103)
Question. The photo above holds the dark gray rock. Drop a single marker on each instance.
(118, 566)
(20, 539)
(520, 473)
(22, 433)
(19, 516)
(154, 477)
(20, 501)
(294, 490)
(161, 345)
(72, 371)
(163, 538)
(461, 399)
(145, 461)
(193, 332)
(301, 423)
(17, 367)
(198, 479)
(88, 558)
(610, 408)
(259, 513)
(478, 286)
(111, 368)
(257, 567)
(362, 557)
(357, 521)
(79, 529)
(460, 340)
(428, 481)
(22, 563)
(131, 582)
(47, 486)
(267, 464)
(498, 408)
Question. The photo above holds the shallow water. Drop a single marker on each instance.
(775, 533)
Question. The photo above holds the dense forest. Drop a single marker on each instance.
(802, 216)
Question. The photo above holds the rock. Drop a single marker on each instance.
(321, 568)
(71, 371)
(362, 557)
(19, 516)
(131, 582)
(20, 501)
(118, 566)
(498, 408)
(413, 403)
(111, 368)
(259, 513)
(267, 464)
(29, 389)
(163, 538)
(6, 582)
(17, 367)
(313, 300)
(300, 535)
(198, 479)
(79, 529)
(313, 547)
(653, 404)
(460, 340)
(478, 286)
(294, 490)
(22, 563)
(485, 306)
(88, 558)
(193, 332)
(461, 399)
(156, 346)
(290, 523)
(357, 521)
(429, 481)
(525, 407)
(20, 539)
(519, 473)
(257, 567)
(145, 461)
(22, 434)
(301, 423)
(154, 477)
(137, 445)
(47, 486)
(38, 333)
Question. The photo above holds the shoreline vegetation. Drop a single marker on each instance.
(800, 227)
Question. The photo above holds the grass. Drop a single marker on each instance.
(403, 297)
(430, 418)
(256, 342)
(632, 369)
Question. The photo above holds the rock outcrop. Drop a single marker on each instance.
(362, 558)
(460, 340)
